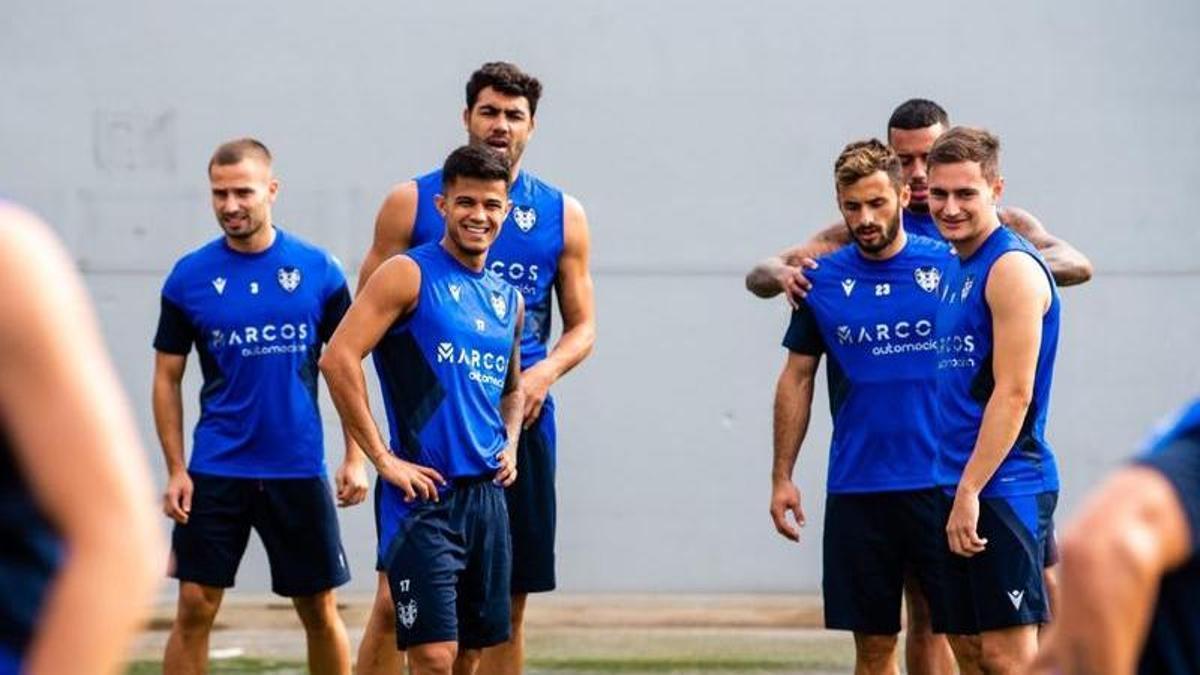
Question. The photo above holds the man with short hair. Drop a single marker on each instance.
(1130, 596)
(79, 563)
(997, 336)
(257, 302)
(872, 310)
(445, 331)
(543, 251)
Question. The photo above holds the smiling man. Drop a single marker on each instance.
(257, 303)
(445, 331)
(543, 251)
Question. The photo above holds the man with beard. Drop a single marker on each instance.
(542, 250)
(446, 333)
(871, 310)
(257, 303)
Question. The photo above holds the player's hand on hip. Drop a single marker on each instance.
(351, 482)
(793, 282)
(785, 499)
(507, 473)
(535, 386)
(414, 480)
(177, 500)
(961, 526)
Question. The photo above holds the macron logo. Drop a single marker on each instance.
(445, 352)
(1015, 598)
(219, 285)
(848, 286)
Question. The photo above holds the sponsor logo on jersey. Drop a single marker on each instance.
(525, 218)
(262, 340)
(928, 278)
(885, 332)
(848, 286)
(524, 277)
(289, 278)
(486, 367)
(956, 351)
(455, 291)
(219, 285)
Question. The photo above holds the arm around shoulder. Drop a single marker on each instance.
(1069, 266)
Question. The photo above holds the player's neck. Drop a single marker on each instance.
(516, 171)
(471, 261)
(967, 247)
(889, 251)
(255, 243)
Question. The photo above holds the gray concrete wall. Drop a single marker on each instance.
(700, 136)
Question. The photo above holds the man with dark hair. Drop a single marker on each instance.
(257, 303)
(445, 331)
(543, 251)
(1130, 597)
(912, 129)
(872, 309)
(81, 551)
(997, 336)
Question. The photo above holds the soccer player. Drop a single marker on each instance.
(257, 303)
(872, 310)
(445, 330)
(1130, 596)
(78, 565)
(912, 129)
(997, 335)
(542, 250)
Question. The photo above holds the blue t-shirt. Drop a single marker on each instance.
(921, 224)
(525, 254)
(29, 559)
(258, 321)
(965, 380)
(1173, 643)
(875, 319)
(442, 369)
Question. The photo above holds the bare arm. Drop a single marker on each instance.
(1018, 294)
(785, 272)
(393, 229)
(1067, 264)
(512, 403)
(1115, 552)
(76, 445)
(793, 406)
(167, 401)
(578, 308)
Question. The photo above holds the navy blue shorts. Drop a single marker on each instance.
(1003, 586)
(449, 567)
(872, 540)
(294, 517)
(531, 507)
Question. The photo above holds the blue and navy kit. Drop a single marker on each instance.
(525, 254)
(258, 321)
(965, 380)
(443, 369)
(1173, 643)
(875, 318)
(29, 559)
(921, 224)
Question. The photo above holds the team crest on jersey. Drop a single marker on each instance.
(928, 278)
(407, 613)
(499, 305)
(525, 218)
(289, 278)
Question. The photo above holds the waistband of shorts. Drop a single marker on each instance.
(471, 481)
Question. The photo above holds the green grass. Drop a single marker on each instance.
(239, 665)
(675, 665)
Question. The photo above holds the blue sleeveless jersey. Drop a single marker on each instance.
(875, 319)
(965, 379)
(258, 322)
(921, 224)
(1173, 643)
(525, 254)
(442, 369)
(28, 560)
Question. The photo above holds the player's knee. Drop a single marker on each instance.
(317, 612)
(382, 610)
(197, 608)
(874, 649)
(966, 650)
(467, 661)
(432, 659)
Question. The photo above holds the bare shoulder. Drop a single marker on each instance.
(1015, 277)
(576, 236)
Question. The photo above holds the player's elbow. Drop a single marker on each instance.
(332, 363)
(758, 282)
